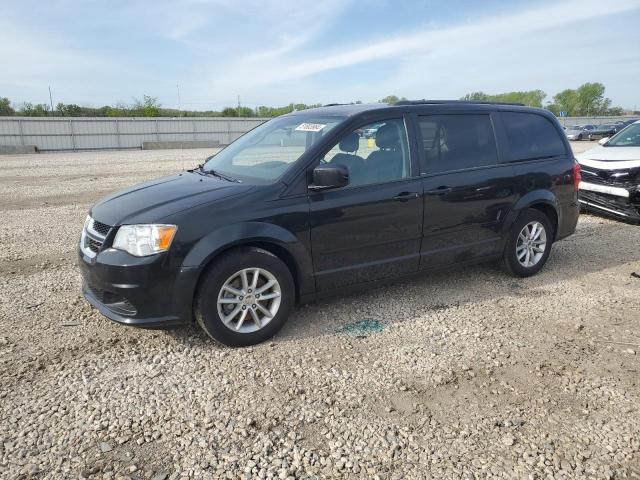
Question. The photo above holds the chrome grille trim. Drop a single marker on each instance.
(91, 240)
(99, 228)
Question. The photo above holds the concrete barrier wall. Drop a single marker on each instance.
(59, 133)
(16, 149)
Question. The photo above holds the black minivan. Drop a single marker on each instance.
(307, 205)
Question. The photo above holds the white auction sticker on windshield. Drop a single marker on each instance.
(310, 127)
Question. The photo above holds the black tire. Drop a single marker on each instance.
(206, 301)
(510, 256)
(580, 137)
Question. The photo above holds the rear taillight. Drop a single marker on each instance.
(577, 176)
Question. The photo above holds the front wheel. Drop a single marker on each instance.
(529, 244)
(245, 297)
(580, 137)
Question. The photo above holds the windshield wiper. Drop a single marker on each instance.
(200, 169)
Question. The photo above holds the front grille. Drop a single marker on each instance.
(625, 178)
(93, 236)
(101, 228)
(93, 245)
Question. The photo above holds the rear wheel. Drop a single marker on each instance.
(529, 244)
(580, 137)
(245, 297)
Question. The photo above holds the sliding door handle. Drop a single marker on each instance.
(405, 196)
(438, 191)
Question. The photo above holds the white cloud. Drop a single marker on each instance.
(435, 48)
(260, 49)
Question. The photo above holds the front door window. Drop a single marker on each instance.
(374, 153)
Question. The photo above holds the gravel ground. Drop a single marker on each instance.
(464, 374)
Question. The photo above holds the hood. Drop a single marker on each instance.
(152, 201)
(610, 157)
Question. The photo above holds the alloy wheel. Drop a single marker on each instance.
(531, 244)
(249, 299)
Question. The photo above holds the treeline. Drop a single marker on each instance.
(147, 106)
(586, 100)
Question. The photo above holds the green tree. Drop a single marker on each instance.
(245, 112)
(41, 110)
(120, 110)
(146, 107)
(567, 101)
(229, 112)
(588, 100)
(476, 97)
(38, 110)
(591, 99)
(531, 98)
(5, 107)
(27, 109)
(391, 99)
(553, 108)
(70, 110)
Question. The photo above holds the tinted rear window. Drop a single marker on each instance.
(454, 142)
(530, 136)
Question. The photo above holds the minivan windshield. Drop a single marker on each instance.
(269, 150)
(629, 137)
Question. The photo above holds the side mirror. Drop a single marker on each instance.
(604, 140)
(329, 176)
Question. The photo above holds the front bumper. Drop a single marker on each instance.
(612, 201)
(138, 291)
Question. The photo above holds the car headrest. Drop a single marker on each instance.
(350, 142)
(387, 137)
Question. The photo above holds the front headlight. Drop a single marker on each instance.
(144, 240)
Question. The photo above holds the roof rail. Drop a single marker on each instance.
(334, 104)
(440, 102)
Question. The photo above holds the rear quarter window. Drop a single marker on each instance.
(529, 136)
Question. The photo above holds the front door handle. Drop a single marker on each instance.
(438, 191)
(406, 196)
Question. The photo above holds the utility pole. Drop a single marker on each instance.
(179, 107)
(238, 105)
(50, 100)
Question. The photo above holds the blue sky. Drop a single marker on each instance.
(271, 52)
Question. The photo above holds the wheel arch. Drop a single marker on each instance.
(264, 244)
(272, 238)
(542, 200)
(550, 212)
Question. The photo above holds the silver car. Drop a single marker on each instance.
(579, 132)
